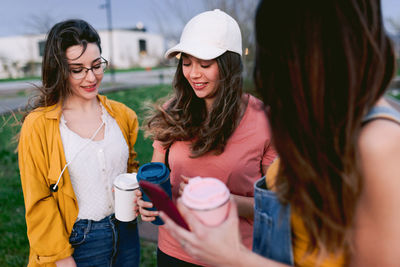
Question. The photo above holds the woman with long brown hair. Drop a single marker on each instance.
(73, 144)
(209, 126)
(332, 199)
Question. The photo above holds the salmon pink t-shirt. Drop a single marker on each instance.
(239, 167)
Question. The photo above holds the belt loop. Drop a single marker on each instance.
(111, 219)
(88, 227)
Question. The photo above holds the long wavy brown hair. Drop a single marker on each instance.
(55, 69)
(320, 66)
(185, 116)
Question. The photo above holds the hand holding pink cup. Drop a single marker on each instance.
(208, 198)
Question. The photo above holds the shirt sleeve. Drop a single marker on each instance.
(269, 154)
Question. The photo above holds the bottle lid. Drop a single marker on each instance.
(205, 193)
(126, 181)
(154, 172)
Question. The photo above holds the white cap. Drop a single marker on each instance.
(209, 35)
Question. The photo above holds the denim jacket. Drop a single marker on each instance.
(272, 232)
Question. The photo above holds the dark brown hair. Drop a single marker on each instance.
(55, 70)
(185, 116)
(320, 66)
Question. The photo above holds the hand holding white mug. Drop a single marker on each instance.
(125, 186)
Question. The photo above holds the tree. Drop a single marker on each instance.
(171, 17)
(39, 23)
(243, 12)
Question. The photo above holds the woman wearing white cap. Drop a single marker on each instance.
(209, 126)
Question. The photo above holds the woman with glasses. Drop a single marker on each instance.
(73, 143)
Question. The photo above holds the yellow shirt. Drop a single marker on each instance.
(51, 216)
(300, 235)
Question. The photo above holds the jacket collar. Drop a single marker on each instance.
(53, 112)
(107, 104)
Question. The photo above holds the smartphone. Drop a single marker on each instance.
(162, 202)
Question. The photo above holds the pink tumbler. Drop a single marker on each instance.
(208, 198)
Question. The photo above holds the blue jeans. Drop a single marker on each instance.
(272, 231)
(107, 243)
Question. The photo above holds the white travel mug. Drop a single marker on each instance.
(125, 185)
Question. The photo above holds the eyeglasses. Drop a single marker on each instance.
(79, 73)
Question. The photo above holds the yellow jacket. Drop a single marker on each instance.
(51, 216)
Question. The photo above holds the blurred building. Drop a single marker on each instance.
(21, 56)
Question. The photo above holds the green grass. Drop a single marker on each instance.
(395, 93)
(13, 242)
(137, 69)
(19, 79)
(398, 66)
(14, 248)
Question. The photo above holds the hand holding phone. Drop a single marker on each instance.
(162, 202)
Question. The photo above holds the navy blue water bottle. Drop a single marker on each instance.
(156, 173)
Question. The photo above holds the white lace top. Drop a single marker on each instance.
(94, 168)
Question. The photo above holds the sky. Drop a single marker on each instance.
(391, 9)
(19, 16)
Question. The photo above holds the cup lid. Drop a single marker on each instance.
(154, 172)
(205, 193)
(126, 181)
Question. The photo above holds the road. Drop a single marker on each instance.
(10, 101)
